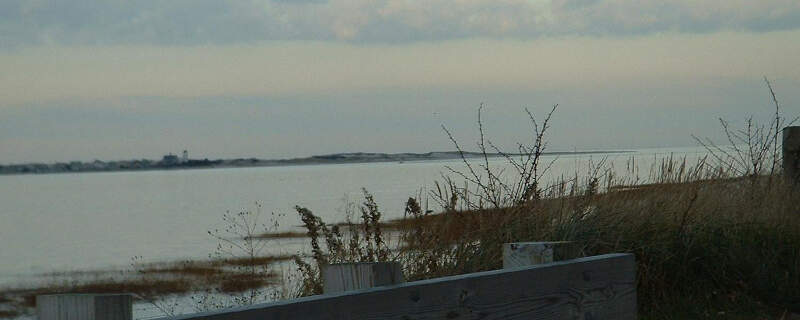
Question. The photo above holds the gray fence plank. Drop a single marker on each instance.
(342, 277)
(597, 287)
(84, 307)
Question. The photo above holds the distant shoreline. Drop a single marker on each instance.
(172, 163)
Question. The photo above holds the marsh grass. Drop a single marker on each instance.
(341, 242)
(155, 282)
(7, 309)
(237, 273)
(281, 235)
(715, 238)
(721, 242)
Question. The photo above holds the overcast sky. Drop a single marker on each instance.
(116, 79)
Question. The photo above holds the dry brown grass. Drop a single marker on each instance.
(281, 235)
(9, 314)
(724, 243)
(194, 270)
(255, 261)
(711, 240)
(141, 287)
(242, 282)
(151, 281)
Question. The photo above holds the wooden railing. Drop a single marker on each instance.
(597, 287)
(534, 284)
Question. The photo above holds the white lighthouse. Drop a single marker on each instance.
(185, 158)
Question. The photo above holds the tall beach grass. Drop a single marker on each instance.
(716, 238)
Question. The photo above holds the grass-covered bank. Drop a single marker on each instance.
(716, 248)
(719, 238)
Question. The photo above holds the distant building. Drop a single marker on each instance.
(170, 160)
(185, 158)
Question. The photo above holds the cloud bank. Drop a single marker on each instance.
(198, 22)
(297, 68)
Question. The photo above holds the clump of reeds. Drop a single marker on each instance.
(362, 242)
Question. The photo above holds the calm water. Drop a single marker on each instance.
(61, 222)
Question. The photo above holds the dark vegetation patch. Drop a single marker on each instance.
(281, 235)
(9, 314)
(255, 261)
(242, 282)
(140, 287)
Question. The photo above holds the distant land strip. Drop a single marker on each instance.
(171, 162)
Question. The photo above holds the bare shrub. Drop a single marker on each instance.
(753, 150)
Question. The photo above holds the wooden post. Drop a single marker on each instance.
(791, 154)
(84, 307)
(524, 254)
(342, 277)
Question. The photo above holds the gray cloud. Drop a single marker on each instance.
(197, 22)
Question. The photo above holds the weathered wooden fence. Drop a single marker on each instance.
(597, 287)
(84, 307)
